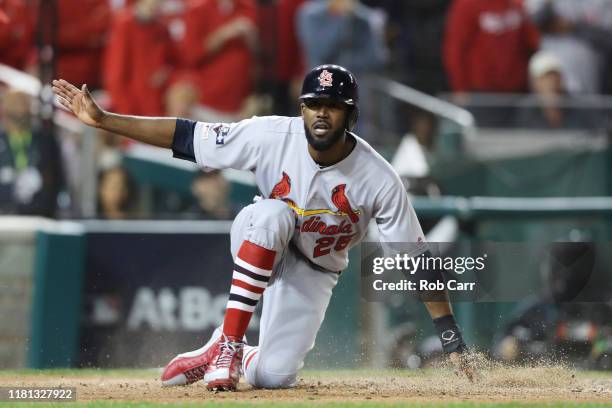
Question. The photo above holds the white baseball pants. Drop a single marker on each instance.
(294, 302)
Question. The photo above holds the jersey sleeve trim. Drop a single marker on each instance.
(182, 144)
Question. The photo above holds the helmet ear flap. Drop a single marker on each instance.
(353, 116)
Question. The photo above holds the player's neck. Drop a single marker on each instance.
(336, 153)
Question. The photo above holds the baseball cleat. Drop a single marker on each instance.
(223, 373)
(187, 368)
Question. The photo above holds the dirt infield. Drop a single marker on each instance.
(497, 384)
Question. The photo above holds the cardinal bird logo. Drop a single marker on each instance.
(282, 188)
(342, 203)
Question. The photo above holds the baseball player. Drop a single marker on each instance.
(322, 185)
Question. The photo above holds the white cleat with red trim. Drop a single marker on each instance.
(187, 368)
(190, 367)
(249, 354)
(223, 373)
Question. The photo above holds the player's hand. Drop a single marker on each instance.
(78, 101)
(463, 364)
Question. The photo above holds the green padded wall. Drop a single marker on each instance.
(56, 309)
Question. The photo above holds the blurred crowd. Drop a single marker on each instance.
(224, 60)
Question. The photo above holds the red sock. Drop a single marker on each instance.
(252, 270)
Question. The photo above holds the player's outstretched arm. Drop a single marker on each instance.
(154, 131)
(442, 314)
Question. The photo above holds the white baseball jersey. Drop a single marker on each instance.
(333, 204)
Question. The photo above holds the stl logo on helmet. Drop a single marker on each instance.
(326, 78)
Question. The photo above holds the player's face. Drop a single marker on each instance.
(324, 122)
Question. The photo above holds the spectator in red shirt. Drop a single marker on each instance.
(137, 62)
(17, 32)
(487, 47)
(281, 62)
(81, 36)
(218, 45)
(289, 62)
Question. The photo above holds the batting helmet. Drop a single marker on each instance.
(333, 82)
(330, 81)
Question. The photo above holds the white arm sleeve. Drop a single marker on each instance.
(396, 220)
(229, 145)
